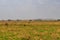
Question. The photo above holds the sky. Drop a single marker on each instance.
(29, 9)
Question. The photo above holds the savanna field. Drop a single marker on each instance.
(29, 30)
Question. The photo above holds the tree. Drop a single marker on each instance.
(58, 19)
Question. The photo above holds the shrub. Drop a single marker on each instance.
(6, 24)
(24, 39)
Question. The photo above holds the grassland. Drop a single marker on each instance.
(25, 30)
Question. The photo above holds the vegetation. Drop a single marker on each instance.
(29, 30)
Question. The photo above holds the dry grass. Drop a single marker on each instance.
(25, 30)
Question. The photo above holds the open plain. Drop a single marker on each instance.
(29, 30)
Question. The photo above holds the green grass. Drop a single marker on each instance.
(30, 32)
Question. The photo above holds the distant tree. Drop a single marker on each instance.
(18, 20)
(58, 19)
(38, 19)
(30, 20)
(9, 20)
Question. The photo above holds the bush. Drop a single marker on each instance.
(24, 39)
(6, 24)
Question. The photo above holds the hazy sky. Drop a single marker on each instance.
(29, 9)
